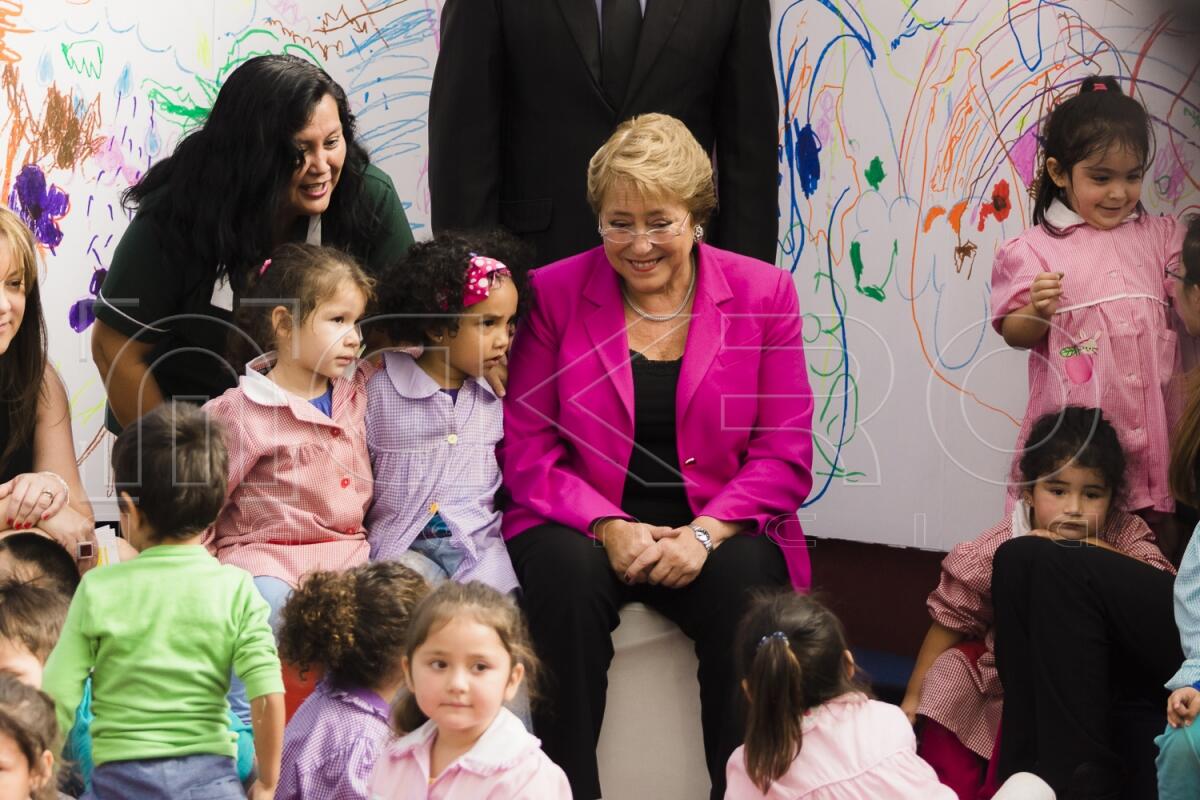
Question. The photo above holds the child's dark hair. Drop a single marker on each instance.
(173, 463)
(31, 616)
(423, 292)
(1075, 435)
(791, 653)
(299, 277)
(484, 605)
(42, 561)
(1086, 125)
(27, 717)
(354, 624)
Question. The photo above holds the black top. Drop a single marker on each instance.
(654, 491)
(21, 459)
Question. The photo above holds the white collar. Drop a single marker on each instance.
(1021, 516)
(258, 387)
(502, 745)
(1059, 215)
(413, 382)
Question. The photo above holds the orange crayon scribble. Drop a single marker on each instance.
(955, 216)
(932, 216)
(9, 10)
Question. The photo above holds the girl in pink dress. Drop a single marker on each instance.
(811, 731)
(1084, 291)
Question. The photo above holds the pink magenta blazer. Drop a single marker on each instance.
(743, 406)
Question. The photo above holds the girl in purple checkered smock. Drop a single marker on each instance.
(352, 626)
(433, 420)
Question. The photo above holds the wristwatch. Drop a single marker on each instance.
(703, 536)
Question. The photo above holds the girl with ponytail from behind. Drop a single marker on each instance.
(353, 626)
(812, 731)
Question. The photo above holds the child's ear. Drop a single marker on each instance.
(42, 770)
(746, 690)
(281, 320)
(129, 508)
(851, 667)
(404, 668)
(515, 676)
(1057, 173)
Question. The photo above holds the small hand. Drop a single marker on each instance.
(260, 791)
(497, 377)
(1182, 707)
(32, 497)
(1044, 293)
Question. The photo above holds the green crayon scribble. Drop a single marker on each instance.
(875, 173)
(85, 57)
(1193, 116)
(875, 292)
(188, 106)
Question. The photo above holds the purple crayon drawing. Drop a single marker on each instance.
(38, 205)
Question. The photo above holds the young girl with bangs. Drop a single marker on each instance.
(1083, 289)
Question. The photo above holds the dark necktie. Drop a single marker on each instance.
(620, 25)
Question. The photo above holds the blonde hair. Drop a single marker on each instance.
(23, 364)
(658, 156)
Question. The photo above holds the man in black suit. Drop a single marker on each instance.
(525, 91)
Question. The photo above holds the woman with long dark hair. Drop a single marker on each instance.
(275, 161)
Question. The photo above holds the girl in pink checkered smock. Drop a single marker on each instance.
(1084, 289)
(1073, 481)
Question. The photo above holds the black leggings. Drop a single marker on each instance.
(572, 598)
(1073, 624)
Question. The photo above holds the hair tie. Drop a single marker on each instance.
(773, 635)
(1099, 87)
(263, 268)
(480, 270)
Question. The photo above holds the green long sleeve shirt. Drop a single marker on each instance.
(160, 634)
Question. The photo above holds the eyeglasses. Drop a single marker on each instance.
(662, 234)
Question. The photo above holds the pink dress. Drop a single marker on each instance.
(1109, 345)
(853, 748)
(507, 763)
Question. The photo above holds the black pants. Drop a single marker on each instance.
(1075, 626)
(572, 598)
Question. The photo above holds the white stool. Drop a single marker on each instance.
(651, 744)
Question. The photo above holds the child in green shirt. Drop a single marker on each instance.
(160, 633)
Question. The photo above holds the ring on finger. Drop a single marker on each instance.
(47, 491)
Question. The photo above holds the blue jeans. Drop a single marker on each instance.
(198, 777)
(1179, 763)
(276, 592)
(434, 558)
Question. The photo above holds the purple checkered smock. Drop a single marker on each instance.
(331, 744)
(433, 455)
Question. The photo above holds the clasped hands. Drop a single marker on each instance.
(655, 554)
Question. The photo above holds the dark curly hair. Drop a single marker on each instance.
(1085, 125)
(301, 277)
(353, 624)
(1075, 435)
(27, 717)
(423, 293)
(224, 184)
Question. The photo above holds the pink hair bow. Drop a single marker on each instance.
(480, 272)
(263, 268)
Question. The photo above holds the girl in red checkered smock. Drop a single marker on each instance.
(1071, 479)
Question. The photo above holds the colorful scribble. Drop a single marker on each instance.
(39, 206)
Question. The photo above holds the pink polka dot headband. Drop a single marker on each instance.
(480, 274)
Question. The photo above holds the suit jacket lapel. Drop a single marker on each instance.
(584, 24)
(706, 330)
(657, 25)
(605, 325)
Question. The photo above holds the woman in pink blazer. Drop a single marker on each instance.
(657, 440)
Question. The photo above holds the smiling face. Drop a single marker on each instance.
(648, 268)
(12, 296)
(323, 152)
(1103, 189)
(1072, 502)
(461, 675)
(327, 341)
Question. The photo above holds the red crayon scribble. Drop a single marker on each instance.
(1000, 205)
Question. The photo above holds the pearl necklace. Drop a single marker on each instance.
(662, 317)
